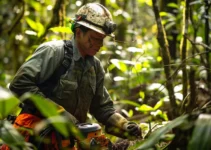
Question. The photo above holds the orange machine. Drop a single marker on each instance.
(93, 138)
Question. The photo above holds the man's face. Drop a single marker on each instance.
(89, 43)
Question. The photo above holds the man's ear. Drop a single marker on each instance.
(78, 32)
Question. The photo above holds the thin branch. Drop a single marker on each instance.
(206, 39)
(54, 19)
(184, 61)
(203, 60)
(199, 43)
(173, 75)
(17, 19)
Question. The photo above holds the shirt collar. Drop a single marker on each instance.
(76, 53)
(77, 56)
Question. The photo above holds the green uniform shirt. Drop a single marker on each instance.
(80, 90)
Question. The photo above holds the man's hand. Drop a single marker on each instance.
(133, 129)
(70, 117)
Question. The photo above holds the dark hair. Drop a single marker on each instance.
(83, 28)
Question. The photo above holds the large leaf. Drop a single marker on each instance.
(61, 29)
(137, 68)
(50, 111)
(158, 134)
(145, 108)
(201, 134)
(35, 4)
(173, 5)
(119, 64)
(36, 26)
(62, 124)
(112, 3)
(129, 102)
(46, 107)
(158, 104)
(7, 103)
(10, 136)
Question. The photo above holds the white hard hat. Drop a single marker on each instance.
(96, 17)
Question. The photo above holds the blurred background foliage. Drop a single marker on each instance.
(133, 61)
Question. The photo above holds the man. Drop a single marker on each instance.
(81, 88)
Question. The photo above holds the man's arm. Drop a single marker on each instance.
(36, 70)
(102, 106)
(103, 110)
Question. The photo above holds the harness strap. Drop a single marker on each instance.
(48, 86)
(30, 109)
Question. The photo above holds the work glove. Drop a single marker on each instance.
(133, 129)
(119, 126)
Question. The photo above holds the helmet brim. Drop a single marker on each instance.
(92, 27)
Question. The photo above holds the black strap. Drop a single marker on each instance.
(29, 108)
(68, 53)
(11, 118)
(48, 86)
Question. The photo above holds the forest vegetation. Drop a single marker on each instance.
(158, 67)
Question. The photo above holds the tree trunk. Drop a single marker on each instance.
(206, 38)
(166, 59)
(183, 50)
(172, 32)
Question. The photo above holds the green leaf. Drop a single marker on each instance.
(64, 126)
(142, 1)
(50, 111)
(168, 137)
(158, 104)
(196, 2)
(46, 107)
(130, 113)
(164, 116)
(41, 29)
(31, 23)
(196, 61)
(10, 136)
(35, 4)
(36, 26)
(159, 133)
(119, 64)
(123, 67)
(129, 102)
(159, 114)
(137, 68)
(162, 14)
(111, 67)
(169, 25)
(7, 103)
(201, 134)
(159, 58)
(142, 94)
(113, 4)
(173, 5)
(145, 108)
(146, 64)
(149, 2)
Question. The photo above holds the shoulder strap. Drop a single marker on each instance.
(48, 86)
(68, 54)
